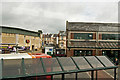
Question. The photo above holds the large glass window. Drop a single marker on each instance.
(83, 35)
(82, 52)
(110, 36)
(112, 54)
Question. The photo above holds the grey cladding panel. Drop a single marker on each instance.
(92, 26)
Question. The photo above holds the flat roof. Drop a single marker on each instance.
(92, 26)
(6, 29)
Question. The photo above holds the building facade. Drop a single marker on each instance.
(22, 37)
(86, 39)
(49, 39)
(46, 39)
(62, 39)
(61, 50)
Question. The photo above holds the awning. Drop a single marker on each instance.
(14, 68)
(108, 45)
(82, 44)
(94, 45)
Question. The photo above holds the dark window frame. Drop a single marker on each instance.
(110, 36)
(85, 36)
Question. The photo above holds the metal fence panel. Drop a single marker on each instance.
(105, 61)
(33, 67)
(67, 63)
(94, 62)
(51, 65)
(12, 68)
(81, 62)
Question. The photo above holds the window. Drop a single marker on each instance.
(50, 49)
(61, 37)
(110, 36)
(112, 54)
(82, 52)
(83, 35)
(62, 44)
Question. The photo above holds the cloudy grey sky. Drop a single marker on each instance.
(50, 17)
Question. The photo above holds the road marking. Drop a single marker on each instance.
(108, 74)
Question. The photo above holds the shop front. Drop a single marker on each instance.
(83, 52)
(114, 55)
(60, 53)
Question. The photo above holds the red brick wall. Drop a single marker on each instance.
(94, 52)
(94, 35)
(100, 36)
(72, 35)
(70, 53)
(99, 52)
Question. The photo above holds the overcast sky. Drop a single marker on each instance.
(50, 17)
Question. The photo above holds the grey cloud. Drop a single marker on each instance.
(51, 16)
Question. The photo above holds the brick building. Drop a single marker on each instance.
(85, 39)
(21, 37)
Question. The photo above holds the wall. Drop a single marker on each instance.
(70, 52)
(8, 38)
(62, 41)
(21, 40)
